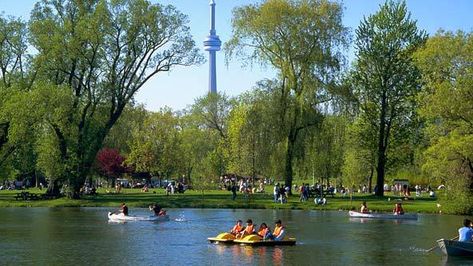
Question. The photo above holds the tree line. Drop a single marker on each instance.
(402, 108)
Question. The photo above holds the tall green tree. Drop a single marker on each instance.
(302, 41)
(385, 79)
(446, 62)
(155, 147)
(104, 51)
(14, 75)
(212, 112)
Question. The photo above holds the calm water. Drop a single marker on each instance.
(83, 236)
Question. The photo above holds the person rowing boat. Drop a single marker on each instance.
(465, 233)
(364, 208)
(158, 211)
(124, 209)
(398, 210)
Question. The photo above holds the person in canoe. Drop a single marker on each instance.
(124, 209)
(279, 232)
(264, 231)
(465, 234)
(249, 229)
(398, 210)
(158, 211)
(237, 228)
(364, 208)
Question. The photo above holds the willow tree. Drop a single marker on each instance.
(385, 77)
(104, 51)
(301, 40)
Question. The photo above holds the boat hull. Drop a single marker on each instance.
(122, 218)
(354, 214)
(251, 240)
(455, 248)
(223, 238)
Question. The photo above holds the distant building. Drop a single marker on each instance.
(212, 44)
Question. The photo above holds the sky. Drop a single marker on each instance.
(180, 87)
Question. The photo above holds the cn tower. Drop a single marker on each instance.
(212, 44)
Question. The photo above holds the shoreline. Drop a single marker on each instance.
(218, 199)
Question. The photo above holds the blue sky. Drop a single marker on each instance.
(180, 87)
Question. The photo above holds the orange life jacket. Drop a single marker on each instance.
(250, 229)
(277, 230)
(263, 232)
(236, 229)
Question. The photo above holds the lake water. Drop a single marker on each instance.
(83, 236)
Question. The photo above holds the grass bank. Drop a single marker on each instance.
(218, 199)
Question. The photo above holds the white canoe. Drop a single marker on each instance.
(122, 218)
(373, 215)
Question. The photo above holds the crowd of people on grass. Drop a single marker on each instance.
(240, 231)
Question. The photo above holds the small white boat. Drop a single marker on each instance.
(122, 218)
(373, 215)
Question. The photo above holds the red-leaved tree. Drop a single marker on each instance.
(110, 163)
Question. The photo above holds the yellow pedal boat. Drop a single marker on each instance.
(250, 240)
(224, 238)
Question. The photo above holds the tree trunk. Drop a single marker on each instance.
(370, 179)
(291, 141)
(380, 169)
(53, 188)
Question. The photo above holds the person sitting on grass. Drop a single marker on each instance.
(237, 228)
(249, 229)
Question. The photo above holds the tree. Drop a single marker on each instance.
(14, 63)
(212, 112)
(155, 148)
(446, 104)
(110, 163)
(302, 41)
(104, 51)
(385, 79)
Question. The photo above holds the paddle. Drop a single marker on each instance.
(434, 247)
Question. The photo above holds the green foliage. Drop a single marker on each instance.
(446, 106)
(103, 51)
(301, 40)
(155, 147)
(385, 80)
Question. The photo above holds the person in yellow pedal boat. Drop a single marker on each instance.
(237, 228)
(264, 231)
(249, 229)
(279, 232)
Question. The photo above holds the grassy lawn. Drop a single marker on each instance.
(217, 199)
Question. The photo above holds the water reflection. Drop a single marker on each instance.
(65, 236)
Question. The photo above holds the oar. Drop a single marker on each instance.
(434, 247)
